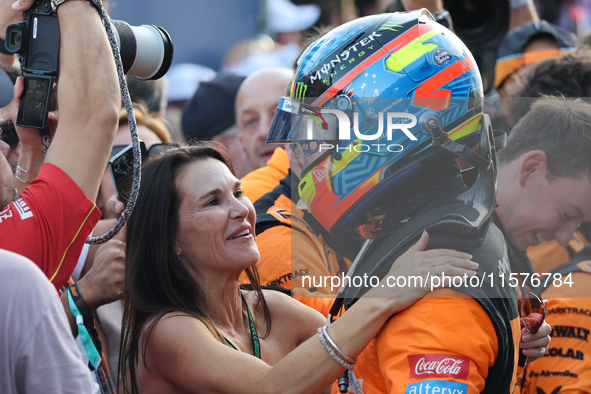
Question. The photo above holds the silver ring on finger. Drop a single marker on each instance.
(438, 270)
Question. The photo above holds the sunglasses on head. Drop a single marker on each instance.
(155, 149)
(533, 311)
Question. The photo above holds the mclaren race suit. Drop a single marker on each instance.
(297, 253)
(257, 183)
(463, 339)
(566, 367)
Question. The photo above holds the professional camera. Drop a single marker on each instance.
(146, 53)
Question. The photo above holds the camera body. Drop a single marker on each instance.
(146, 53)
(37, 40)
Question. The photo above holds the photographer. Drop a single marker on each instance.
(53, 216)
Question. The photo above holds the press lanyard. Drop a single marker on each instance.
(85, 336)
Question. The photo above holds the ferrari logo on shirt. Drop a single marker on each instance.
(6, 213)
(23, 209)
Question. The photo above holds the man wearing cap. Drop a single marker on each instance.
(288, 21)
(521, 48)
(210, 116)
(183, 81)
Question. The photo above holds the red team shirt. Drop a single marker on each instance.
(49, 223)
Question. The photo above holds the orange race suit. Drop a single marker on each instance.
(262, 180)
(566, 367)
(297, 253)
(459, 340)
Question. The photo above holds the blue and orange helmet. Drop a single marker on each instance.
(371, 102)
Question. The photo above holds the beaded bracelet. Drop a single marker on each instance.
(336, 348)
(324, 340)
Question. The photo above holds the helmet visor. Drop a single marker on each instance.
(298, 122)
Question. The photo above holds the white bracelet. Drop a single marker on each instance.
(324, 338)
(23, 175)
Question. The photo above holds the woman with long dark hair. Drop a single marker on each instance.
(187, 324)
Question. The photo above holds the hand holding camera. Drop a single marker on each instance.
(146, 53)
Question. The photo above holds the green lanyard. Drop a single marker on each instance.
(256, 345)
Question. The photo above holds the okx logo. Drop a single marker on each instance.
(555, 391)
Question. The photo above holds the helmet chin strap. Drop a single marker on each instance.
(460, 150)
(299, 169)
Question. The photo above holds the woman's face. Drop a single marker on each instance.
(216, 221)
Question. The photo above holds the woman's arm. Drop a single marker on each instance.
(182, 351)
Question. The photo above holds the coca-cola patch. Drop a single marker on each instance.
(423, 366)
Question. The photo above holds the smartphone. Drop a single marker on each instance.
(34, 103)
(121, 168)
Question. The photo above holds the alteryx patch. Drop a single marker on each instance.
(436, 387)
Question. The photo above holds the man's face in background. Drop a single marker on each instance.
(256, 102)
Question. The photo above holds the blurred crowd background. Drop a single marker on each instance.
(215, 34)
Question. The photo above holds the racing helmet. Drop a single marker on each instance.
(373, 101)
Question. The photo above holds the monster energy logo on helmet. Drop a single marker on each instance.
(300, 92)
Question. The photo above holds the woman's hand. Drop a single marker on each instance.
(535, 345)
(418, 268)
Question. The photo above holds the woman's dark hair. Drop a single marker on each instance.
(156, 282)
